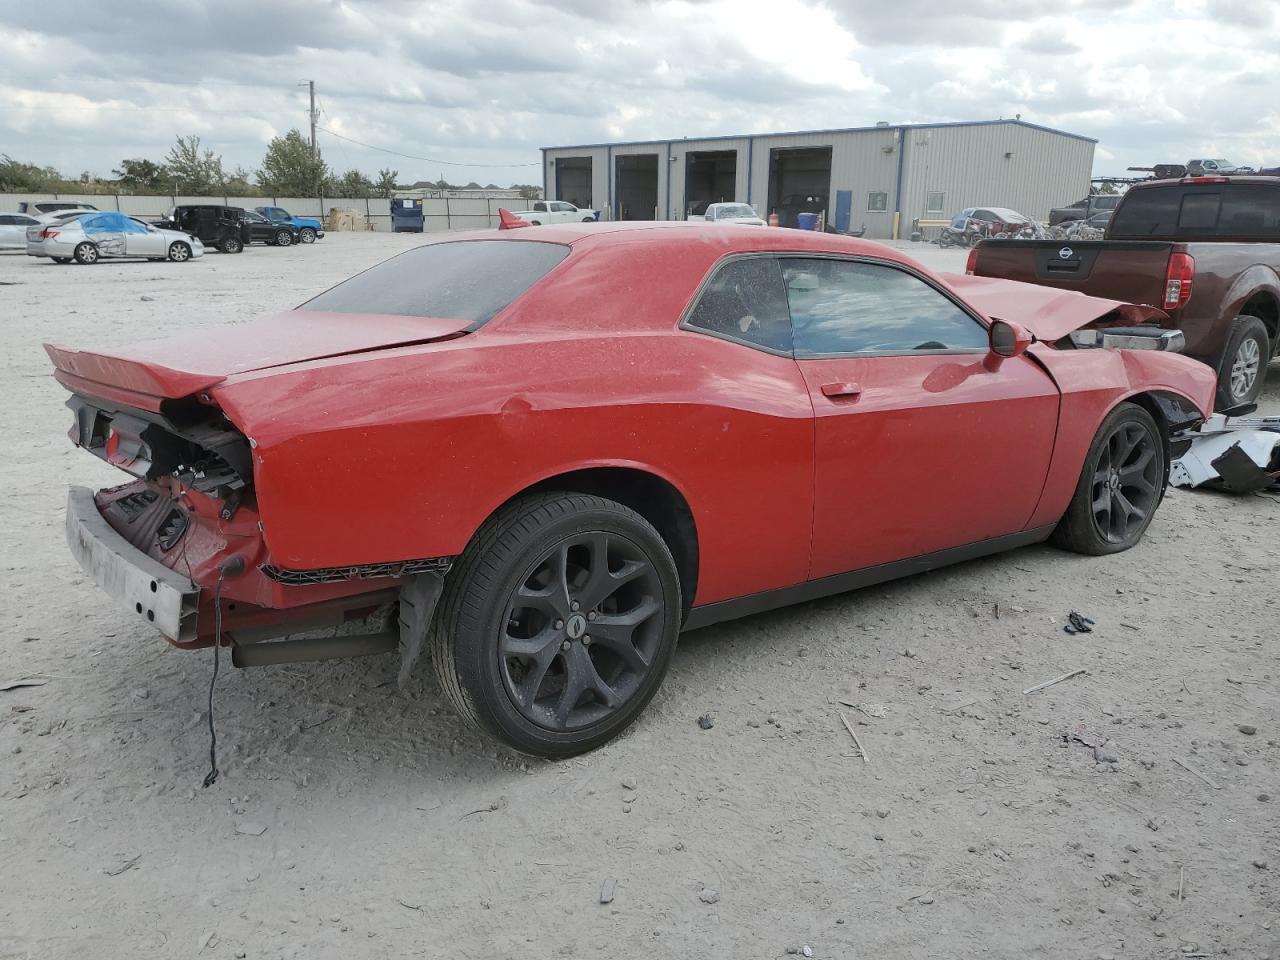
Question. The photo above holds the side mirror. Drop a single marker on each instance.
(1008, 340)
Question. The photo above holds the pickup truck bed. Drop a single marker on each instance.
(1213, 268)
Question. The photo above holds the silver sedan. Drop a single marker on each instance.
(90, 237)
(13, 230)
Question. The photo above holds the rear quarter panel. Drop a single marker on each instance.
(1227, 275)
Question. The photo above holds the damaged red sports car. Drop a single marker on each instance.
(541, 454)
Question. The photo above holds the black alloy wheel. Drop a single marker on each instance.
(581, 631)
(1126, 482)
(1120, 486)
(557, 623)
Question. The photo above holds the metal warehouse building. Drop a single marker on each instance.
(880, 177)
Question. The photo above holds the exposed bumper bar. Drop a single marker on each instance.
(164, 598)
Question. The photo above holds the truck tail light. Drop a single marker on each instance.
(1206, 179)
(1177, 281)
(972, 262)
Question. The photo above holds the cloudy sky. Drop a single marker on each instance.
(84, 84)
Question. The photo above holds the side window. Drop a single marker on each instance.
(6, 220)
(934, 202)
(540, 207)
(842, 307)
(877, 201)
(745, 301)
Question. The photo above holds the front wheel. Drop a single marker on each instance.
(307, 235)
(1242, 371)
(535, 223)
(86, 253)
(1120, 486)
(558, 623)
(179, 252)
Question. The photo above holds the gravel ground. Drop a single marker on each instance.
(355, 820)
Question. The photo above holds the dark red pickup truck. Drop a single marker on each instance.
(1205, 250)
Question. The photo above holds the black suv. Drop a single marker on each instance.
(217, 226)
(262, 230)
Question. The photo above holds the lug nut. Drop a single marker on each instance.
(591, 615)
(559, 624)
(586, 641)
(574, 605)
(565, 645)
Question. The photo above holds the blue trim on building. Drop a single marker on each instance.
(813, 133)
(613, 214)
(545, 195)
(668, 180)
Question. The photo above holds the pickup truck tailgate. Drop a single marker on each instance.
(1129, 270)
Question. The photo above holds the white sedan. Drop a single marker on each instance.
(13, 230)
(732, 213)
(90, 237)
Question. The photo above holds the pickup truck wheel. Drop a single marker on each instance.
(1244, 362)
(231, 245)
(535, 223)
(86, 253)
(557, 623)
(307, 235)
(1120, 486)
(588, 219)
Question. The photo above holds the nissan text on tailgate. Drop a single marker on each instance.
(1205, 250)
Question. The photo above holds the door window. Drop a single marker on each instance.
(744, 301)
(851, 307)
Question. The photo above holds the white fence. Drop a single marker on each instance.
(439, 213)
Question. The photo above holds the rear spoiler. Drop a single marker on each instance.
(129, 382)
(509, 221)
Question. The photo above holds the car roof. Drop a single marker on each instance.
(728, 239)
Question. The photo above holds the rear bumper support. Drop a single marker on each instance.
(164, 598)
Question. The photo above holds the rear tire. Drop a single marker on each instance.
(1121, 484)
(231, 245)
(86, 253)
(283, 238)
(1243, 368)
(512, 641)
(588, 219)
(179, 252)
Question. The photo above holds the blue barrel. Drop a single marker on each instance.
(807, 221)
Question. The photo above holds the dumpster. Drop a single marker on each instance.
(406, 215)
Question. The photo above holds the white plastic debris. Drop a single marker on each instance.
(1257, 437)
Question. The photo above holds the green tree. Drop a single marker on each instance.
(240, 183)
(385, 185)
(353, 184)
(17, 177)
(192, 170)
(289, 169)
(142, 176)
(528, 191)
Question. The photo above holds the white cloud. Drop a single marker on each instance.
(1152, 80)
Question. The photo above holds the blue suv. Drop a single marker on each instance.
(309, 229)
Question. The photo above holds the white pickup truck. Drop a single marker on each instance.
(556, 211)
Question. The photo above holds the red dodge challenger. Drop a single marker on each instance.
(543, 453)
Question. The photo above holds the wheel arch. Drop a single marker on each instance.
(1266, 308)
(652, 496)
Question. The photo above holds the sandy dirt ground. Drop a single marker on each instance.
(355, 820)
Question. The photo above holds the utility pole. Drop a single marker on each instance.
(311, 87)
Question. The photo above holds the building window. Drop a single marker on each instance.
(878, 201)
(934, 202)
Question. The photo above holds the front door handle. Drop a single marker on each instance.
(841, 391)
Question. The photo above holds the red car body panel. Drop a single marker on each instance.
(381, 439)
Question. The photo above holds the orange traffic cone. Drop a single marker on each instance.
(773, 219)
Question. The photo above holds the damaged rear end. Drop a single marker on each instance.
(183, 543)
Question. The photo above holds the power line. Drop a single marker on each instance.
(410, 156)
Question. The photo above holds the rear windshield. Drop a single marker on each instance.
(464, 280)
(1245, 210)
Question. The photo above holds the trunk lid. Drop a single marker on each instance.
(1132, 271)
(145, 373)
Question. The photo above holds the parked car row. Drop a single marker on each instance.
(65, 231)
